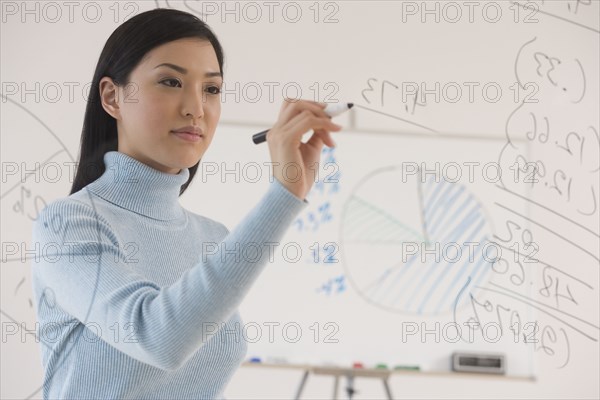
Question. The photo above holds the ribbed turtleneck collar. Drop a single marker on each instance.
(137, 187)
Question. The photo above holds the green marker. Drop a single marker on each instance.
(381, 366)
(407, 368)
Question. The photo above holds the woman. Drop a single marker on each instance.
(130, 304)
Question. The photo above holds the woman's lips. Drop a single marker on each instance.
(188, 136)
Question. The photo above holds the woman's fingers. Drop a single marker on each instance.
(285, 144)
(290, 102)
(321, 135)
(306, 121)
(293, 108)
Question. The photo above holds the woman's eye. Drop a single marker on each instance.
(170, 80)
(214, 90)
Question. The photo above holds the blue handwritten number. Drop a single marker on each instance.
(336, 183)
(300, 224)
(341, 283)
(325, 214)
(330, 255)
(313, 220)
(319, 186)
(326, 287)
(328, 154)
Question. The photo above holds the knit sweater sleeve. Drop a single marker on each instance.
(90, 280)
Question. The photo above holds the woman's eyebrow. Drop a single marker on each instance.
(185, 71)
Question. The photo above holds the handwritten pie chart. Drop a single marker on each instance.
(411, 241)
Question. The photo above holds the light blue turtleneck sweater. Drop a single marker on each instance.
(136, 297)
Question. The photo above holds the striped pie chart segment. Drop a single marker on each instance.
(410, 245)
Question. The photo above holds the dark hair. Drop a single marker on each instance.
(123, 50)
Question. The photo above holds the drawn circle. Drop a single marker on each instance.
(32, 176)
(388, 224)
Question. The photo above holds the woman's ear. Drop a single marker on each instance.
(109, 97)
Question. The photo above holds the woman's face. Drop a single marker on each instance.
(162, 98)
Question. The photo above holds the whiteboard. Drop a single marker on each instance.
(515, 83)
(380, 256)
(359, 273)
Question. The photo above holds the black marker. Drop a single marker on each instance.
(332, 110)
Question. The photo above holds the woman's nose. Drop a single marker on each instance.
(194, 105)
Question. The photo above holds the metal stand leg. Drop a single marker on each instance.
(387, 389)
(350, 386)
(302, 383)
(350, 374)
(335, 387)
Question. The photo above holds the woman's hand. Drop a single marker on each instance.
(295, 163)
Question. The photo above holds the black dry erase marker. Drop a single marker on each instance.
(332, 110)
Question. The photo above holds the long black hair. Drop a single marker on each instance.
(123, 50)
